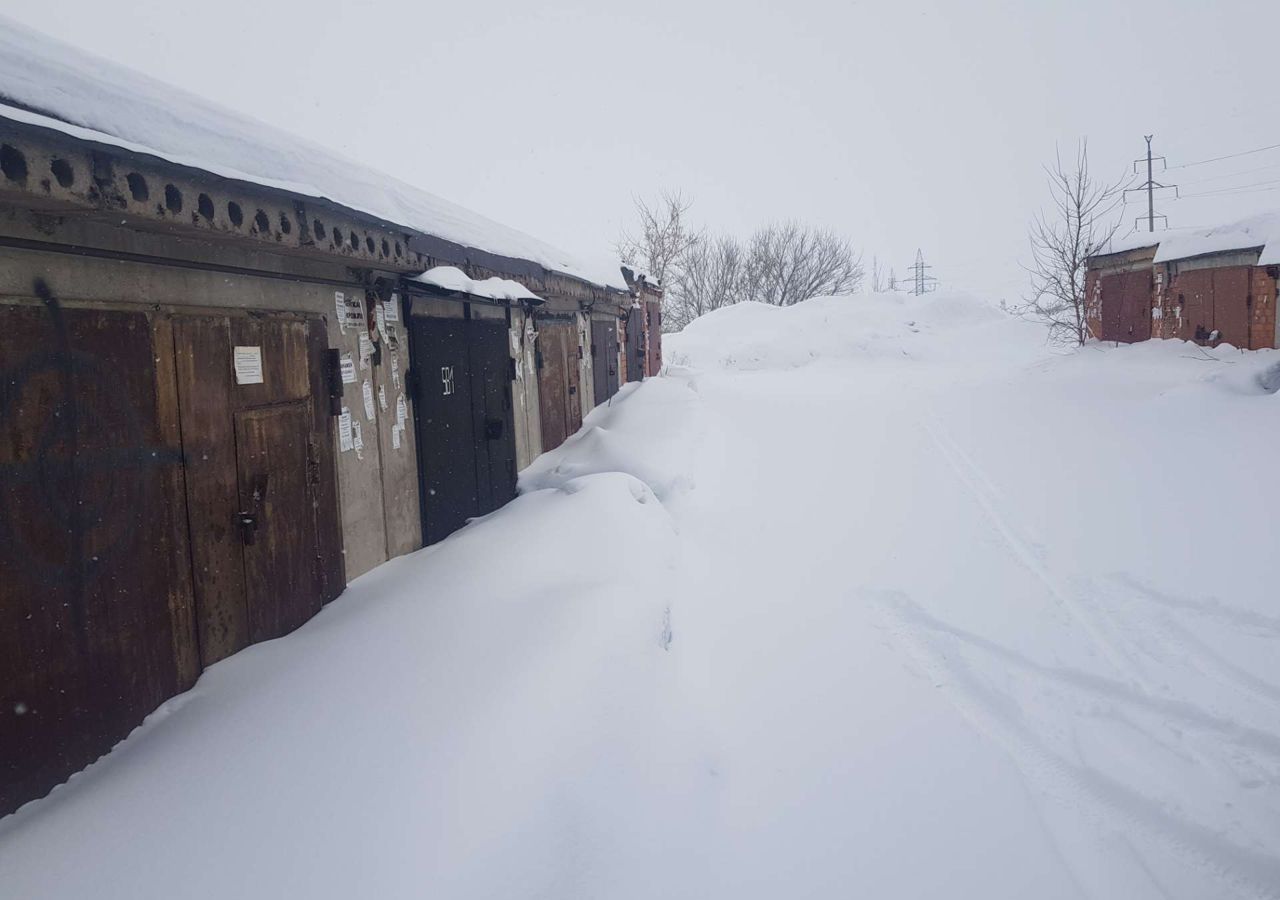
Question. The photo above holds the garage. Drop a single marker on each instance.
(461, 373)
(168, 498)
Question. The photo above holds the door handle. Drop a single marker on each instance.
(248, 524)
(492, 429)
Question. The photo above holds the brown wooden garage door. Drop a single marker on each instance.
(155, 515)
(95, 597)
(260, 491)
(560, 405)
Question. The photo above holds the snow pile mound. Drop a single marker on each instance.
(755, 336)
(647, 440)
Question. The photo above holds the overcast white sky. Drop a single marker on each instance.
(900, 124)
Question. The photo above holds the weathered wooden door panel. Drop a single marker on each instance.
(232, 431)
(1111, 288)
(573, 393)
(553, 382)
(330, 562)
(654, 361)
(445, 426)
(604, 350)
(276, 524)
(635, 345)
(203, 353)
(95, 597)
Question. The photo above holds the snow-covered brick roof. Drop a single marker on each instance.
(450, 278)
(1183, 243)
(48, 83)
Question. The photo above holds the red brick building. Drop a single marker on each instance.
(1211, 286)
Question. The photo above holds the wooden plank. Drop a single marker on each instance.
(181, 596)
(279, 550)
(330, 568)
(202, 358)
(88, 551)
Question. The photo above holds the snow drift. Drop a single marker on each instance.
(871, 596)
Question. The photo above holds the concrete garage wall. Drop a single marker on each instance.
(586, 378)
(524, 390)
(379, 510)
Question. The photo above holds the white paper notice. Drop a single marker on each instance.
(248, 364)
(357, 439)
(350, 309)
(515, 341)
(392, 308)
(340, 308)
(367, 390)
(395, 437)
(382, 397)
(348, 369)
(366, 349)
(402, 411)
(380, 317)
(344, 430)
(395, 371)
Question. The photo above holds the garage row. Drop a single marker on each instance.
(207, 429)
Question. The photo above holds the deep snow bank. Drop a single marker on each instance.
(756, 336)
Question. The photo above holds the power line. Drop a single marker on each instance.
(1201, 162)
(1259, 188)
(1232, 174)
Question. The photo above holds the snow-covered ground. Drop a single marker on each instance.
(869, 597)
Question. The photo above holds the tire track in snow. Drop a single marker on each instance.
(1103, 800)
(979, 486)
(1183, 646)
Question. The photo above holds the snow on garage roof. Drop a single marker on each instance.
(1245, 234)
(451, 278)
(1260, 231)
(51, 84)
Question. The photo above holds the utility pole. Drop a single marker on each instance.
(923, 282)
(1150, 186)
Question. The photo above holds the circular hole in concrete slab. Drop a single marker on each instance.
(235, 213)
(62, 171)
(204, 205)
(138, 189)
(13, 162)
(172, 199)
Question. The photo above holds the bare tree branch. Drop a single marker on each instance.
(1080, 221)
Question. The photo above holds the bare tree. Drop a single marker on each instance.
(788, 263)
(1078, 224)
(711, 276)
(662, 239)
(878, 283)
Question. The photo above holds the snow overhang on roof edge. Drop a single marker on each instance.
(49, 84)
